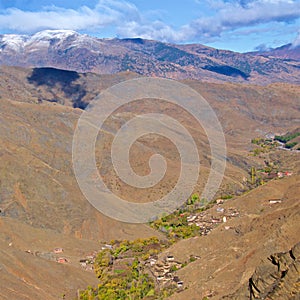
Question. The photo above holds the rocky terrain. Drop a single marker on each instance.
(69, 50)
(276, 278)
(231, 253)
(42, 208)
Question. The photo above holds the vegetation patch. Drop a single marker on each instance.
(288, 140)
(126, 270)
(132, 270)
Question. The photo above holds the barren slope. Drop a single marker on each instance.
(229, 257)
(42, 206)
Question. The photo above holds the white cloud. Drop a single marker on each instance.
(106, 13)
(296, 41)
(127, 21)
(262, 48)
(156, 30)
(56, 18)
(233, 15)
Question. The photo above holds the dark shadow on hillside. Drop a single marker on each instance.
(134, 40)
(56, 80)
(227, 71)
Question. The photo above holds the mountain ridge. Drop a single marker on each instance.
(69, 50)
(286, 52)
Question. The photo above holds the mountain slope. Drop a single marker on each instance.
(286, 52)
(69, 50)
(41, 206)
(231, 253)
(275, 278)
(36, 140)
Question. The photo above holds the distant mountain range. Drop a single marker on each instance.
(286, 52)
(69, 50)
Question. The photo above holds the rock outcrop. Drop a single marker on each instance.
(278, 277)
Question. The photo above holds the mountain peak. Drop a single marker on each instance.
(17, 42)
(50, 34)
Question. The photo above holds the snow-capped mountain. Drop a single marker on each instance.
(69, 50)
(17, 43)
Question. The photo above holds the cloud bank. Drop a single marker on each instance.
(125, 20)
(296, 42)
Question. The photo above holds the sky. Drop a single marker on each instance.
(238, 25)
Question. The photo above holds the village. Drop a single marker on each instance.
(208, 221)
(147, 262)
(164, 271)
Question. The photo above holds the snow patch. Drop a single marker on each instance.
(18, 42)
(13, 41)
(50, 34)
(43, 39)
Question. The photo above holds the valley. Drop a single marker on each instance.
(203, 251)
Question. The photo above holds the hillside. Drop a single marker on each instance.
(64, 49)
(286, 52)
(41, 206)
(229, 257)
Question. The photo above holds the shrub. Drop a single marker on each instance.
(290, 145)
(286, 138)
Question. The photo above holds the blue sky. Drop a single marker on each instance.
(238, 25)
